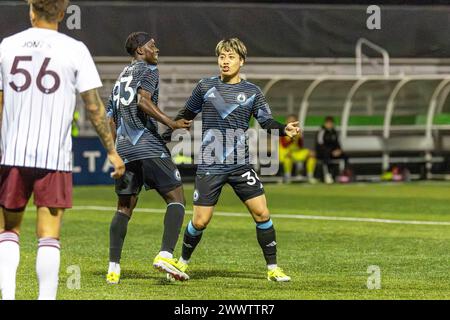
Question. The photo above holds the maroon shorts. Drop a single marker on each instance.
(52, 189)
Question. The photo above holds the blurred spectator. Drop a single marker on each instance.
(329, 148)
(181, 159)
(292, 151)
(75, 124)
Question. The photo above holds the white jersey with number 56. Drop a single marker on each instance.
(40, 72)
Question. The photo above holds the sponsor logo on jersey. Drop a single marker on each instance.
(241, 97)
(177, 175)
(196, 195)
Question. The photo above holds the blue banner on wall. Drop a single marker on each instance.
(90, 162)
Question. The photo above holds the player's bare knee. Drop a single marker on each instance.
(180, 196)
(175, 196)
(182, 200)
(134, 202)
(125, 210)
(261, 214)
(199, 223)
(127, 204)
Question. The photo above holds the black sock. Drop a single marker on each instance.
(191, 239)
(265, 233)
(172, 226)
(117, 233)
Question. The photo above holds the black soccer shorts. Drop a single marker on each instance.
(156, 173)
(245, 183)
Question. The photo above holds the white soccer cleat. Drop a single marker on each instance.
(329, 179)
(312, 180)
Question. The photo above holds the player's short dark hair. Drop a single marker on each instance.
(136, 40)
(232, 44)
(329, 118)
(48, 10)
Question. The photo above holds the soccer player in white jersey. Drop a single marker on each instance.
(40, 72)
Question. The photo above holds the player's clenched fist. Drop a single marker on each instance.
(181, 124)
(117, 162)
(293, 129)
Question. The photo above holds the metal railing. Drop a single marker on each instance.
(375, 47)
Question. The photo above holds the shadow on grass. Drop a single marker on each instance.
(194, 275)
(215, 273)
(133, 274)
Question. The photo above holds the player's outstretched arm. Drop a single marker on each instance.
(262, 113)
(97, 115)
(291, 129)
(182, 114)
(148, 107)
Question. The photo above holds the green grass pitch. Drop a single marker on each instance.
(327, 259)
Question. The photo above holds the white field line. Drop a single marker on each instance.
(280, 216)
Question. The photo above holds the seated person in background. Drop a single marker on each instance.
(329, 148)
(293, 151)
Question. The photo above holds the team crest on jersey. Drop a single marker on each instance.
(241, 97)
(196, 195)
(177, 175)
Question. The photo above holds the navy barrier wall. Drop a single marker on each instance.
(269, 30)
(92, 167)
(90, 163)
